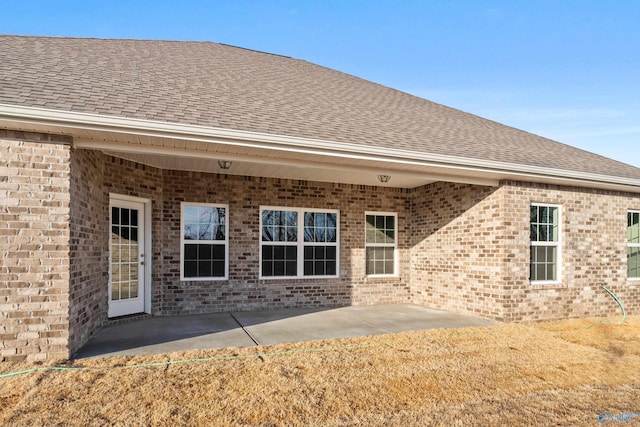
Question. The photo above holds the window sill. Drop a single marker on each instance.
(382, 277)
(547, 285)
(203, 279)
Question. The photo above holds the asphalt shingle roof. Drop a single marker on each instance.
(222, 86)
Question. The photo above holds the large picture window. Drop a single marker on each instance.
(381, 243)
(204, 242)
(298, 242)
(545, 243)
(633, 244)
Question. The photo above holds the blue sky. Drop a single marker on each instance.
(568, 70)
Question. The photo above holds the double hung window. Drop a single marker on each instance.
(204, 242)
(545, 243)
(298, 242)
(381, 243)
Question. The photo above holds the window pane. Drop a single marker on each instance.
(380, 260)
(279, 226)
(331, 268)
(205, 232)
(633, 227)
(204, 251)
(191, 231)
(292, 234)
(308, 227)
(308, 268)
(543, 213)
(267, 268)
(544, 224)
(318, 259)
(279, 260)
(331, 252)
(267, 233)
(203, 260)
(190, 269)
(332, 227)
(380, 229)
(390, 223)
(544, 263)
(278, 268)
(124, 216)
(190, 252)
(204, 268)
(320, 227)
(379, 222)
(204, 223)
(633, 262)
(218, 252)
(291, 253)
(267, 252)
(370, 228)
(218, 268)
(291, 268)
(278, 253)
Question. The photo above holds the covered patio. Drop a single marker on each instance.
(251, 328)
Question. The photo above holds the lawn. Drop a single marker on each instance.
(558, 373)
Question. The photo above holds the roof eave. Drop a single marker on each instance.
(143, 127)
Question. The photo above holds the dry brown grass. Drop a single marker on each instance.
(542, 374)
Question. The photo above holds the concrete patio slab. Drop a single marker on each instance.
(245, 329)
(166, 334)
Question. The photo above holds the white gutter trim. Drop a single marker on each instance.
(78, 120)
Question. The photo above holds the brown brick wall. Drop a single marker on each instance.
(593, 251)
(243, 290)
(245, 195)
(471, 251)
(462, 247)
(89, 258)
(34, 246)
(457, 248)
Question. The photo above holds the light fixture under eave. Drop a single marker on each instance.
(384, 178)
(224, 164)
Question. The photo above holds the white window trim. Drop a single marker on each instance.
(382, 245)
(300, 244)
(226, 242)
(631, 245)
(557, 244)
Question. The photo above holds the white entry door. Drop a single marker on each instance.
(127, 258)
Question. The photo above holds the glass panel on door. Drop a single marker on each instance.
(124, 253)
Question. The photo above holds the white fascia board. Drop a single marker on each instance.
(248, 139)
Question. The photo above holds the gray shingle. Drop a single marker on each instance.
(223, 86)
